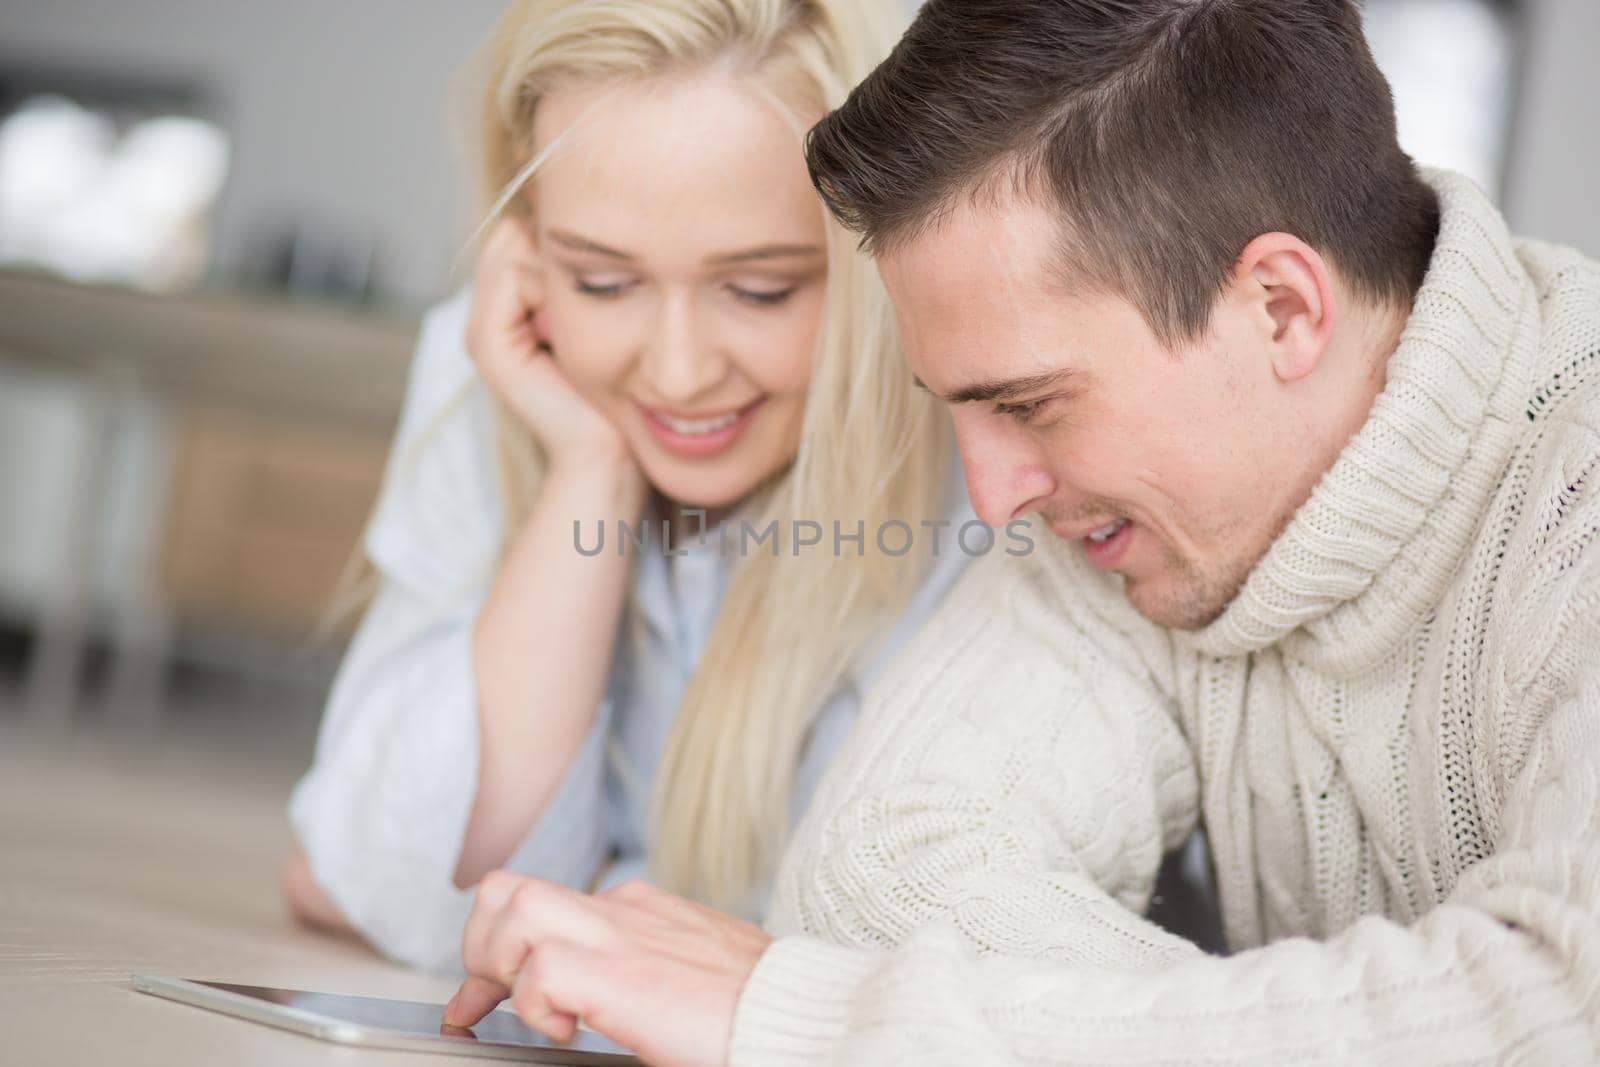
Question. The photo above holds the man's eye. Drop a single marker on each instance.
(762, 297)
(1023, 412)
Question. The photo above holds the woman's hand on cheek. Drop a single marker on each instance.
(504, 342)
(652, 971)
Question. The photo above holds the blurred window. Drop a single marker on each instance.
(107, 194)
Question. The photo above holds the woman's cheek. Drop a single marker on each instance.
(787, 350)
(803, 362)
(581, 345)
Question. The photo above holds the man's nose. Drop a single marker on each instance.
(680, 361)
(1006, 473)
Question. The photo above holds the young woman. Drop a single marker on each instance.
(663, 318)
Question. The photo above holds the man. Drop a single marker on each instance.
(1322, 445)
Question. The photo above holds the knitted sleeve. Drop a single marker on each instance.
(1507, 969)
(1009, 779)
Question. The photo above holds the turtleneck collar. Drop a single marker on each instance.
(1369, 554)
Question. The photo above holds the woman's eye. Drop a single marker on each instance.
(763, 297)
(603, 288)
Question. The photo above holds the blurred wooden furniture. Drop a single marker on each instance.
(265, 518)
(255, 353)
(278, 416)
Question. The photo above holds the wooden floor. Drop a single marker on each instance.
(159, 856)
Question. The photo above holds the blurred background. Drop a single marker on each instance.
(219, 224)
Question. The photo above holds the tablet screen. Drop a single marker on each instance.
(416, 1019)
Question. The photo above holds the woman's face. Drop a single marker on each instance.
(684, 259)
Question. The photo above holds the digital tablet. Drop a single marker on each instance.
(376, 1022)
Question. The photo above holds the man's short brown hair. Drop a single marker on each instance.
(1170, 133)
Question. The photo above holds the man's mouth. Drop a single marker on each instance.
(1106, 545)
(1107, 532)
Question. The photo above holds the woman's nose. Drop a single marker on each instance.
(682, 361)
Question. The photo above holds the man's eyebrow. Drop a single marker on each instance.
(748, 255)
(1008, 389)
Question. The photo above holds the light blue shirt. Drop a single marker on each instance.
(383, 810)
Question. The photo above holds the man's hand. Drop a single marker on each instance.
(652, 971)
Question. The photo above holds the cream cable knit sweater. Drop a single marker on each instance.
(1392, 735)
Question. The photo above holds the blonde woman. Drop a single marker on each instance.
(663, 318)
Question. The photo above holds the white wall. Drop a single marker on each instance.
(338, 108)
(1553, 181)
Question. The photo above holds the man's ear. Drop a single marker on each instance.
(1288, 292)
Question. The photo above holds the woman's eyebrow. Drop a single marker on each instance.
(591, 247)
(583, 244)
(765, 252)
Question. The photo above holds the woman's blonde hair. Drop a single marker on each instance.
(873, 447)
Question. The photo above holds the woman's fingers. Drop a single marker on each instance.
(505, 337)
(494, 892)
(547, 993)
(535, 914)
(507, 295)
(653, 972)
(513, 920)
(476, 998)
(531, 998)
(510, 243)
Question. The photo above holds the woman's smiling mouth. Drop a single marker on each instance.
(699, 435)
